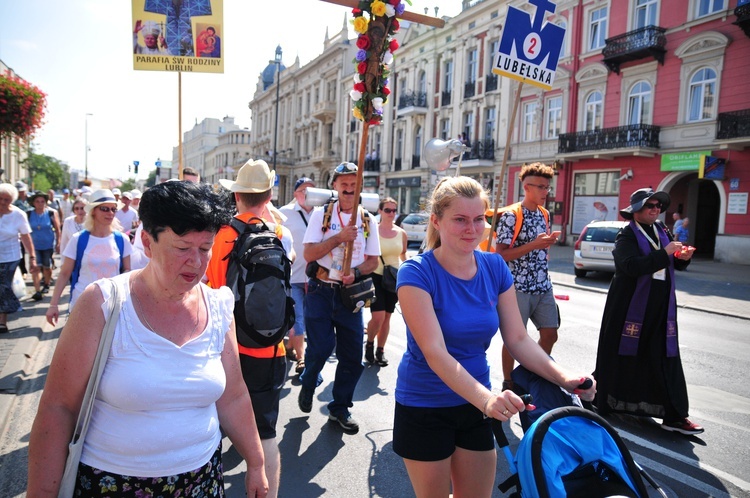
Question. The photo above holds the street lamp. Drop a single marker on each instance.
(276, 60)
(86, 170)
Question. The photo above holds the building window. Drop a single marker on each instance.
(422, 83)
(448, 76)
(701, 95)
(494, 47)
(604, 183)
(529, 122)
(352, 151)
(564, 45)
(469, 125)
(645, 13)
(489, 123)
(706, 7)
(553, 119)
(639, 103)
(418, 141)
(471, 73)
(399, 143)
(594, 109)
(597, 28)
(445, 129)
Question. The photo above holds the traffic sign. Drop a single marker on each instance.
(529, 51)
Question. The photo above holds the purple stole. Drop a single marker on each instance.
(631, 331)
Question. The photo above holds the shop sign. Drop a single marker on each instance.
(412, 181)
(683, 161)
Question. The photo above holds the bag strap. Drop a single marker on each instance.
(105, 344)
(83, 241)
(303, 217)
(120, 241)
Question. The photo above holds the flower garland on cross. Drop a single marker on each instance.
(376, 23)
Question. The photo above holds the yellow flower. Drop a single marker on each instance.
(377, 8)
(360, 25)
(357, 113)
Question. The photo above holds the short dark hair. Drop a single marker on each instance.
(184, 207)
(252, 199)
(189, 171)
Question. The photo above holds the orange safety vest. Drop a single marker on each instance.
(518, 210)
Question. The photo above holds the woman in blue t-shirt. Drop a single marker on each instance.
(454, 298)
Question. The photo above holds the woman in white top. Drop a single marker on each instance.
(13, 224)
(73, 223)
(393, 243)
(172, 381)
(101, 256)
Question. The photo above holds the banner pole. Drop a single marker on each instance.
(179, 121)
(511, 125)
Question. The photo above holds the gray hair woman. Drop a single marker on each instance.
(172, 381)
(13, 224)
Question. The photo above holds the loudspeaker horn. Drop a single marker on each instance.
(439, 153)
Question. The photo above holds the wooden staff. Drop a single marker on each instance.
(511, 125)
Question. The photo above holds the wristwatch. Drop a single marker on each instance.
(357, 274)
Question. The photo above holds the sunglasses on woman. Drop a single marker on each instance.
(389, 210)
(106, 209)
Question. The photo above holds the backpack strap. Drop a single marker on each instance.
(327, 213)
(120, 241)
(517, 208)
(83, 241)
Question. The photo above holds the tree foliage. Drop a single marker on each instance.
(151, 180)
(128, 185)
(46, 172)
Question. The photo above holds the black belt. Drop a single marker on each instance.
(332, 285)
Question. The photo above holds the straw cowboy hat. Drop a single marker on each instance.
(640, 197)
(254, 177)
(103, 196)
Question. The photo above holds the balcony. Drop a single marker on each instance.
(397, 164)
(743, 18)
(324, 111)
(470, 89)
(607, 143)
(415, 159)
(733, 129)
(445, 98)
(372, 165)
(482, 153)
(490, 83)
(411, 103)
(322, 155)
(649, 41)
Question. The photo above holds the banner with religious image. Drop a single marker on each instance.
(178, 35)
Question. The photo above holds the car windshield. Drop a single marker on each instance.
(601, 234)
(415, 219)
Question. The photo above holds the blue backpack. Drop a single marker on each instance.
(83, 241)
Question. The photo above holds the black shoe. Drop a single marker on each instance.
(305, 399)
(347, 423)
(4, 329)
(37, 296)
(380, 358)
(370, 353)
(45, 289)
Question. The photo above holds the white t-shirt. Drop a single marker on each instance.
(297, 226)
(362, 247)
(155, 410)
(126, 218)
(70, 226)
(101, 259)
(11, 225)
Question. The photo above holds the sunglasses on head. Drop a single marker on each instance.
(652, 205)
(106, 209)
(389, 210)
(345, 168)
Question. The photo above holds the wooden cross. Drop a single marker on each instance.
(377, 31)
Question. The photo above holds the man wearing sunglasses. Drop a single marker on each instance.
(328, 321)
(527, 256)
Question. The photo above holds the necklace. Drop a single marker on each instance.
(142, 314)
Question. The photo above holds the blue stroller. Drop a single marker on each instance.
(569, 451)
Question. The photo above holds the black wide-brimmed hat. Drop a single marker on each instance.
(36, 194)
(640, 197)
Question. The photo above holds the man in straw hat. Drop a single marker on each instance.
(264, 369)
(638, 366)
(327, 320)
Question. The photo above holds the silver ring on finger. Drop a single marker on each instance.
(506, 412)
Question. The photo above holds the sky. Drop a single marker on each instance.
(79, 52)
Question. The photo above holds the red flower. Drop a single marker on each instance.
(386, 90)
(363, 42)
(375, 120)
(362, 67)
(394, 2)
(356, 12)
(360, 86)
(393, 45)
(395, 25)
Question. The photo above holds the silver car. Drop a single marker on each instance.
(593, 249)
(415, 226)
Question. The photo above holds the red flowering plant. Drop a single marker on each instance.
(22, 106)
(376, 23)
